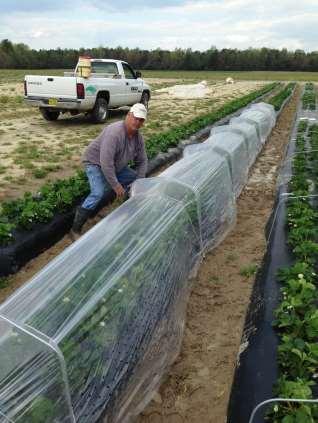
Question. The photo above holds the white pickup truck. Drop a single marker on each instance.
(111, 84)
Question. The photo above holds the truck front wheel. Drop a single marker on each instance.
(145, 99)
(100, 112)
(49, 114)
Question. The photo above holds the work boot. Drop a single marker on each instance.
(81, 215)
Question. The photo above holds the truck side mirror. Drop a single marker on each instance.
(138, 74)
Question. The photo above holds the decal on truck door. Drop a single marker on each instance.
(90, 89)
(134, 88)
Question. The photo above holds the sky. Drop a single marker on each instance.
(199, 25)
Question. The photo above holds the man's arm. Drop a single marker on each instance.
(141, 160)
(107, 158)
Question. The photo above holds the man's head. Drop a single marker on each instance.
(135, 117)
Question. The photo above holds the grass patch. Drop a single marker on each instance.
(39, 173)
(214, 279)
(231, 257)
(28, 151)
(4, 282)
(249, 270)
(52, 167)
(4, 99)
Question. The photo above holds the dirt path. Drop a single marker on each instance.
(198, 386)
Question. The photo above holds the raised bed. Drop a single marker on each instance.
(278, 362)
(92, 333)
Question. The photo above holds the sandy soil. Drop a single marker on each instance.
(198, 386)
(12, 88)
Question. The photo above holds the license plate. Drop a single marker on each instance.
(52, 101)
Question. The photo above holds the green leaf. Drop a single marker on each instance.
(289, 419)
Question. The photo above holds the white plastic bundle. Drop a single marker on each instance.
(92, 333)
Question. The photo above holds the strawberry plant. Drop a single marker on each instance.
(52, 198)
(279, 98)
(293, 412)
(297, 314)
(297, 357)
(6, 233)
(309, 97)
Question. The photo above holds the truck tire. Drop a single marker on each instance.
(145, 99)
(100, 112)
(49, 114)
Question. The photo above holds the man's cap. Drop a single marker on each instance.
(139, 111)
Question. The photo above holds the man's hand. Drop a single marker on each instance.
(120, 192)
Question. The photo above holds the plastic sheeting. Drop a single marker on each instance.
(208, 176)
(233, 148)
(261, 120)
(268, 109)
(248, 130)
(91, 334)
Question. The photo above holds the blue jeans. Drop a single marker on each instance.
(99, 185)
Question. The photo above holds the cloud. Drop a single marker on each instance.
(163, 24)
(124, 5)
(31, 6)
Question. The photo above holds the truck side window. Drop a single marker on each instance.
(129, 73)
(104, 67)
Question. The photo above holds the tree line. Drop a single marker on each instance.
(20, 56)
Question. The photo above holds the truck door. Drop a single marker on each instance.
(133, 85)
(105, 75)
